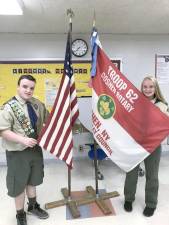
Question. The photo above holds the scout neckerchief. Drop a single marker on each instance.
(21, 117)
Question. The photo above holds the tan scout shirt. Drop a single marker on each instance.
(163, 107)
(8, 121)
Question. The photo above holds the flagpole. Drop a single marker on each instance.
(70, 14)
(96, 168)
(95, 151)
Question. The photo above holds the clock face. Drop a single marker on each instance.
(79, 47)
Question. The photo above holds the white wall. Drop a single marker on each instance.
(137, 51)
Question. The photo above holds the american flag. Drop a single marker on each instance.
(56, 137)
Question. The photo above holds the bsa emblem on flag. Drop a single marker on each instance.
(106, 106)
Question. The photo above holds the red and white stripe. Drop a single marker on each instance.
(56, 137)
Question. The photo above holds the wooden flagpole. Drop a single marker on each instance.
(71, 15)
(96, 168)
(95, 151)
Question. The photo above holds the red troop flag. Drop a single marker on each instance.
(56, 137)
(126, 124)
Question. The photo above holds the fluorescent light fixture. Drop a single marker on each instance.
(10, 7)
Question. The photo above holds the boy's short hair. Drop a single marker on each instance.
(26, 76)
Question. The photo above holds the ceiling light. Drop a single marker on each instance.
(10, 7)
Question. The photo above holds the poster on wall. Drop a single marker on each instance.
(162, 75)
(48, 74)
(162, 68)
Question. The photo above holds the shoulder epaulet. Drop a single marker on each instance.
(8, 101)
(3, 106)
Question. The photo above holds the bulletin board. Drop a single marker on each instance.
(162, 73)
(48, 74)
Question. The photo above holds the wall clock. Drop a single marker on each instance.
(79, 47)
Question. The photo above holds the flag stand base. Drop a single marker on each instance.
(89, 198)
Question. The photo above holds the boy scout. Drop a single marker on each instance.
(21, 119)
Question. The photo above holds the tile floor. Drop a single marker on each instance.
(82, 176)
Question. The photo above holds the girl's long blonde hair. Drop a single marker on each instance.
(158, 94)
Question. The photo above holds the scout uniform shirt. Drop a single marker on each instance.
(8, 121)
(163, 107)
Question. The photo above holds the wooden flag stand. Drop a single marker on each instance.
(91, 197)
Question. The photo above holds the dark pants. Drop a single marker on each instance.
(152, 183)
(24, 168)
